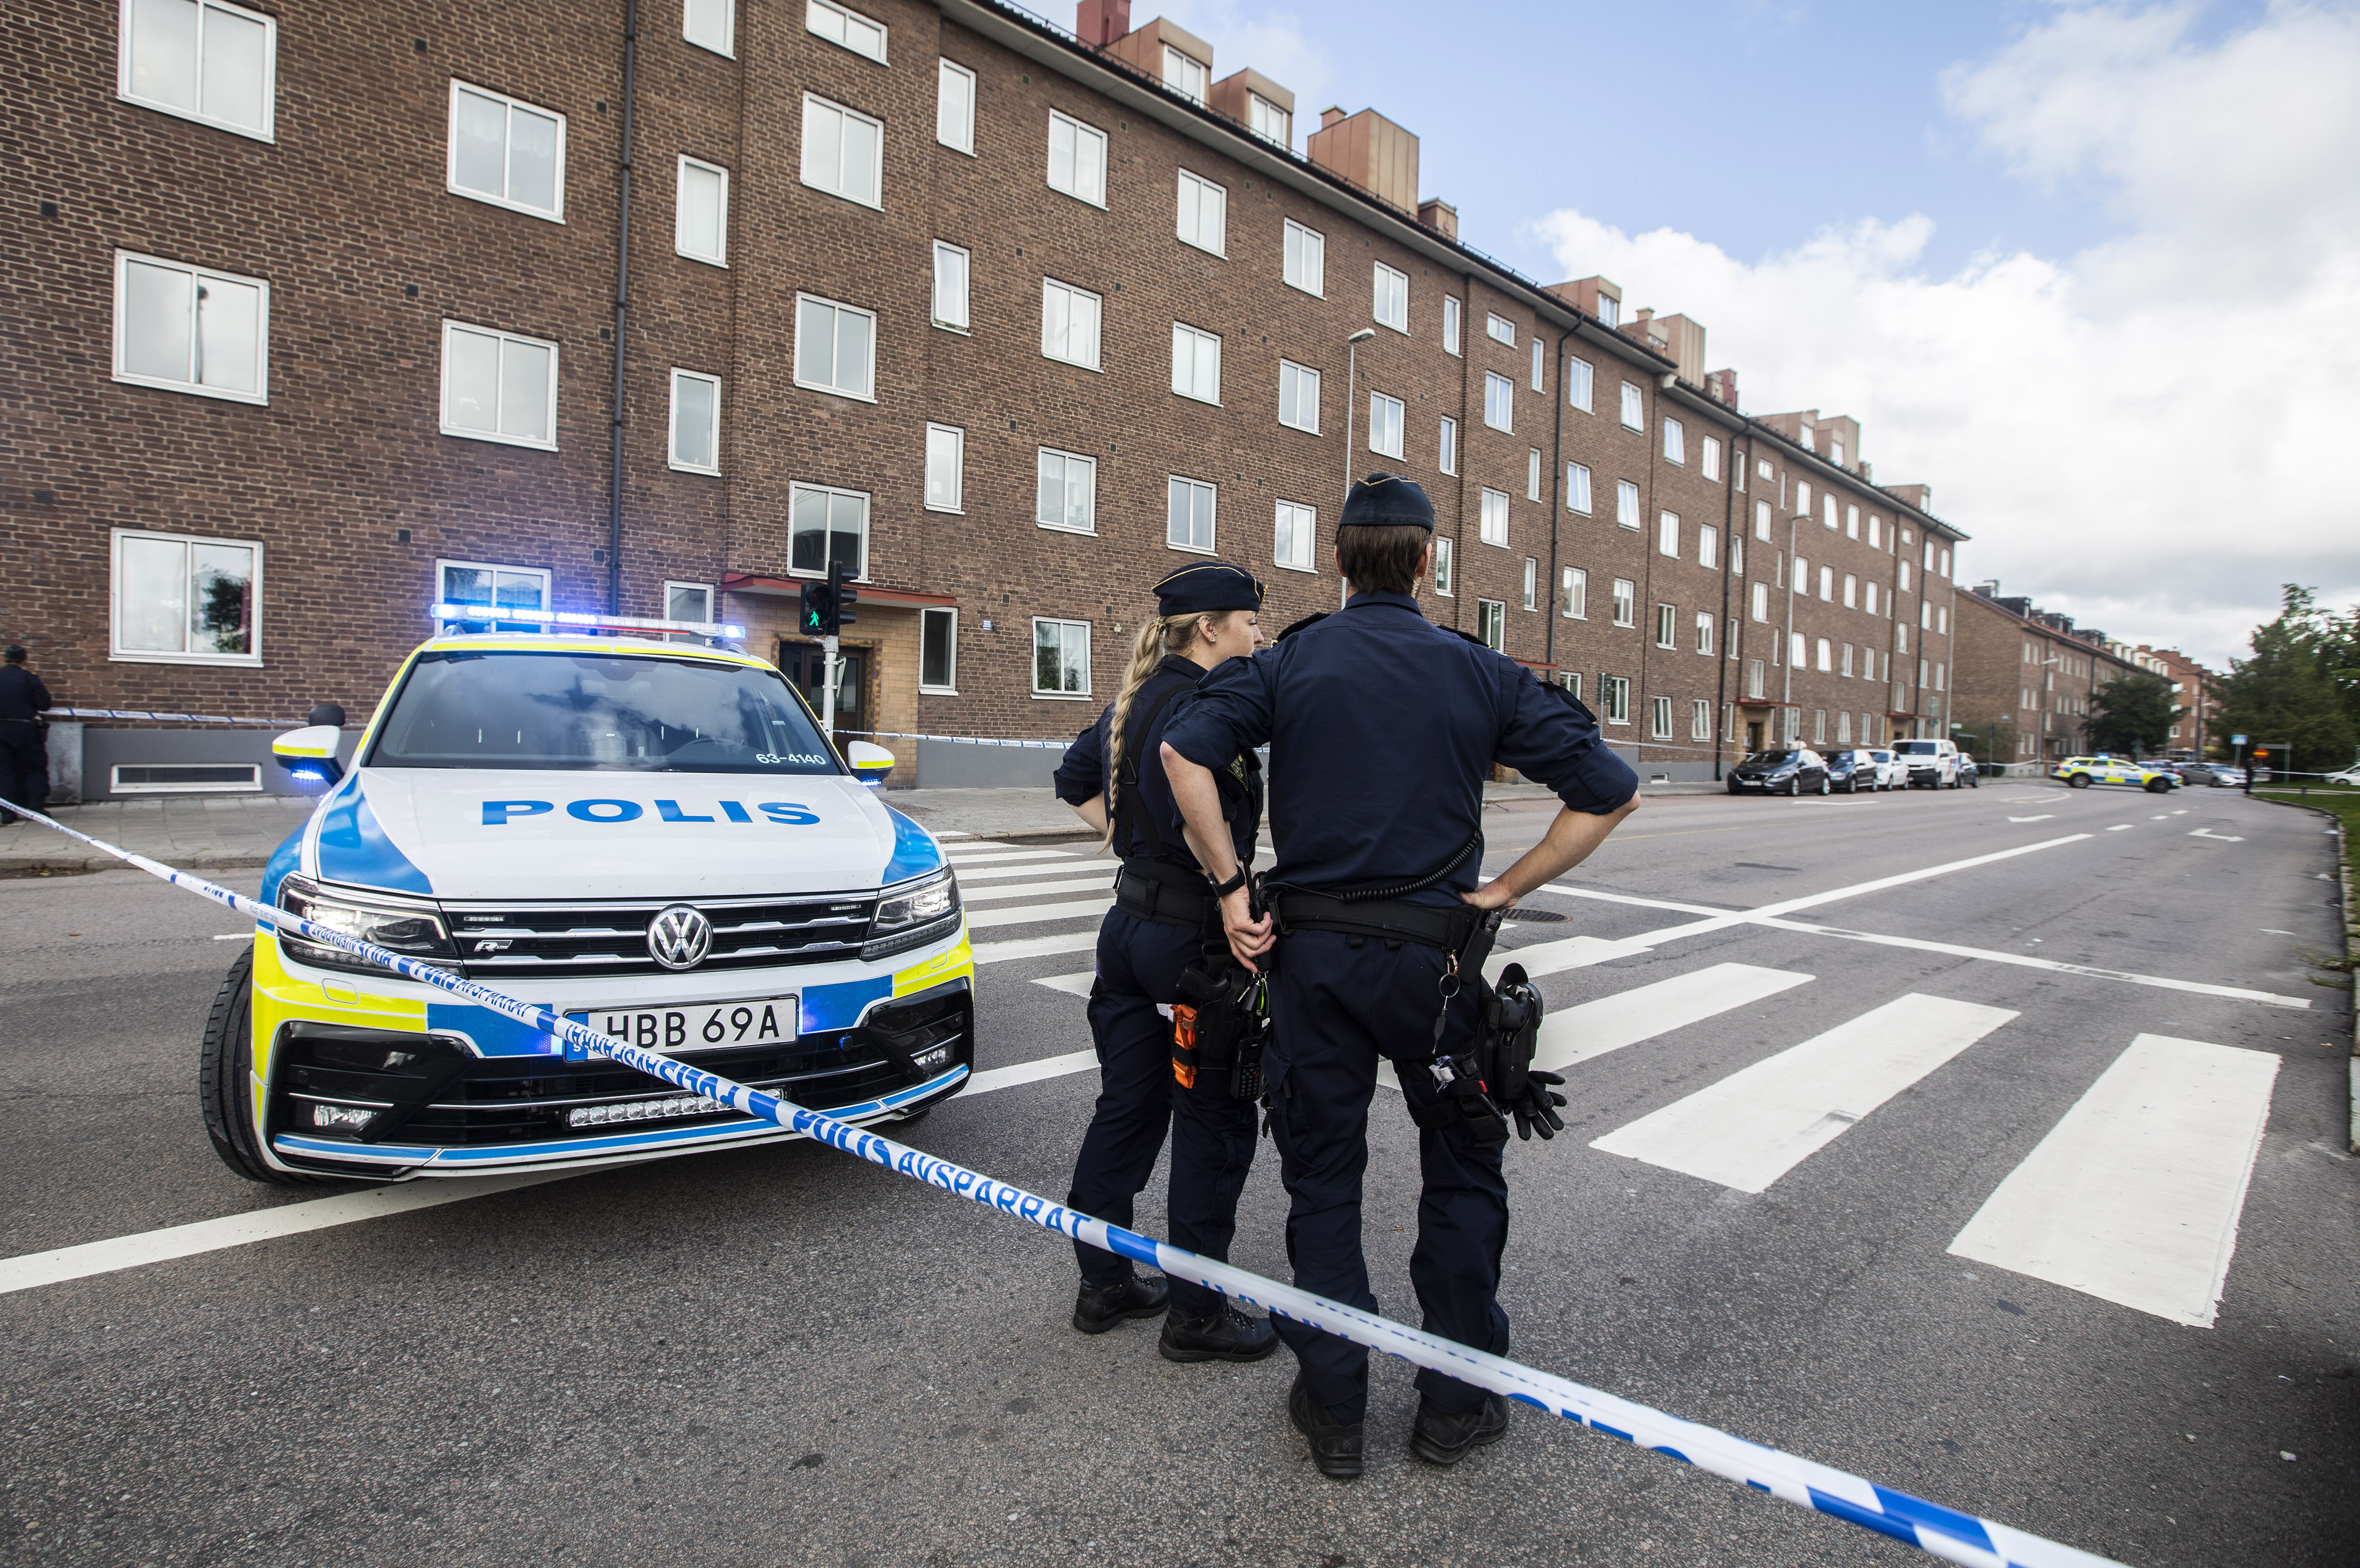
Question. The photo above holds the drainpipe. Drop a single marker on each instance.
(1728, 543)
(1787, 691)
(622, 300)
(1556, 496)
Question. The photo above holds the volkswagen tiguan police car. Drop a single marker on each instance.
(652, 837)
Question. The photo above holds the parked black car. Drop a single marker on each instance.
(1971, 773)
(1851, 770)
(1793, 772)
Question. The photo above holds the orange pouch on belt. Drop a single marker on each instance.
(1184, 1046)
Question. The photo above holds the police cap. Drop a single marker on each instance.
(1387, 500)
(1206, 587)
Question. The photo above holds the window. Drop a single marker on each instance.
(1204, 213)
(836, 348)
(1802, 497)
(1385, 424)
(851, 29)
(1532, 583)
(945, 468)
(1667, 626)
(1844, 729)
(1195, 362)
(1060, 658)
(1069, 323)
(1945, 567)
(1754, 675)
(1736, 556)
(1614, 695)
(1442, 575)
(1573, 593)
(1184, 74)
(1763, 467)
(184, 600)
(1875, 530)
(1798, 653)
(1709, 460)
(1699, 720)
(1571, 681)
(696, 423)
(1626, 503)
(1634, 414)
(1294, 546)
(1868, 596)
(202, 61)
(499, 387)
(1851, 522)
(507, 153)
(1668, 533)
(1533, 474)
(951, 273)
(475, 584)
(1827, 584)
(1660, 718)
(1298, 396)
(826, 527)
(192, 330)
(1499, 402)
(1704, 633)
(1826, 659)
(842, 151)
(1451, 308)
(1499, 329)
(1626, 602)
(1828, 511)
(1391, 307)
(955, 107)
(1905, 577)
(700, 225)
(1762, 520)
(1492, 623)
(1802, 576)
(1068, 492)
(1576, 487)
(1077, 160)
(1851, 590)
(1448, 457)
(1578, 377)
(1305, 263)
(938, 651)
(1188, 515)
(1843, 659)
(1675, 443)
(1536, 362)
(710, 24)
(1494, 524)
(1760, 608)
(1818, 726)
(1709, 547)
(1268, 121)
(1942, 621)
(688, 601)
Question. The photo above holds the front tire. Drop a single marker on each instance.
(2078, 781)
(2159, 787)
(225, 1079)
(1823, 784)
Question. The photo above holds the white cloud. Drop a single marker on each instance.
(2149, 435)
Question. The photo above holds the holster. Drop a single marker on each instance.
(1490, 1075)
(1221, 1025)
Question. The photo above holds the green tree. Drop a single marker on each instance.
(2288, 692)
(2132, 712)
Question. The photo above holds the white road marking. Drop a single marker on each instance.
(2026, 960)
(982, 920)
(2218, 838)
(2044, 817)
(2164, 818)
(1752, 1126)
(1072, 984)
(1002, 873)
(1101, 882)
(1033, 946)
(1030, 1072)
(234, 936)
(995, 852)
(2272, 931)
(2118, 827)
(2134, 1196)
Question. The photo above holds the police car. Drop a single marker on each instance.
(653, 838)
(2081, 772)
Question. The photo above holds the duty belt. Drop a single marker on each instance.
(1166, 895)
(1391, 920)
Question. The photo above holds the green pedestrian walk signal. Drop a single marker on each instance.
(827, 607)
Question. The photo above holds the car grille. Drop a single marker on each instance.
(511, 939)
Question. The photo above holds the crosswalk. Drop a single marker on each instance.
(2134, 1196)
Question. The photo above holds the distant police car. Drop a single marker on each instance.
(2081, 772)
(652, 837)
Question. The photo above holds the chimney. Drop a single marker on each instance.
(1368, 150)
(1329, 116)
(1720, 386)
(1439, 217)
(1098, 23)
(1680, 340)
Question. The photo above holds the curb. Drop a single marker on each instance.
(2351, 963)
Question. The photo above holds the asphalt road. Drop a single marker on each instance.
(781, 1356)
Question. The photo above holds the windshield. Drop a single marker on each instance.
(1916, 749)
(597, 712)
(1768, 758)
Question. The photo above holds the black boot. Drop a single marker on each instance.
(1228, 1335)
(1335, 1445)
(1100, 1307)
(1440, 1438)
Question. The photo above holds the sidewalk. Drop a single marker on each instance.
(200, 833)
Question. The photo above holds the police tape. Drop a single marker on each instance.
(143, 713)
(1946, 1533)
(960, 740)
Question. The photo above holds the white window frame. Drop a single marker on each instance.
(1302, 259)
(1668, 533)
(1532, 583)
(1626, 505)
(1580, 377)
(1195, 345)
(1851, 590)
(679, 211)
(1761, 521)
(1492, 623)
(1577, 488)
(1032, 656)
(122, 87)
(1614, 698)
(1097, 334)
(1537, 366)
(965, 322)
(527, 628)
(1186, 74)
(1668, 626)
(1302, 530)
(1635, 407)
(1306, 379)
(1451, 323)
(1492, 518)
(1533, 474)
(814, 101)
(116, 653)
(957, 439)
(1444, 577)
(1758, 604)
(727, 47)
(451, 153)
(1499, 402)
(1084, 134)
(1675, 443)
(865, 394)
(1172, 486)
(671, 437)
(1268, 121)
(963, 127)
(1389, 286)
(1065, 485)
(819, 15)
(1660, 718)
(1705, 620)
(505, 339)
(1203, 188)
(1499, 329)
(1709, 460)
(1395, 414)
(868, 521)
(124, 261)
(933, 612)
(1626, 602)
(1699, 719)
(1709, 547)
(1446, 445)
(705, 588)
(1573, 593)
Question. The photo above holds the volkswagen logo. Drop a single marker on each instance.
(679, 937)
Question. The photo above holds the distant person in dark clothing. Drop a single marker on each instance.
(24, 739)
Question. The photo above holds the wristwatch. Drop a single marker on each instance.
(1223, 889)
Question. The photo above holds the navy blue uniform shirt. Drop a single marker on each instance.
(1083, 773)
(22, 695)
(1381, 726)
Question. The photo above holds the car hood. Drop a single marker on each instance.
(501, 834)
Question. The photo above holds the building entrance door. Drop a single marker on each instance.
(806, 664)
(1753, 736)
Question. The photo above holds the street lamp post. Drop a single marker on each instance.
(1352, 391)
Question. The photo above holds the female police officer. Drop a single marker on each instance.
(1165, 914)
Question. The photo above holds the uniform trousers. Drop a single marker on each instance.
(1139, 965)
(1340, 1003)
(24, 767)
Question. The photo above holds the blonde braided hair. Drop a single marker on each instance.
(1163, 636)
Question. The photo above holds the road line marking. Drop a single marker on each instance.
(2118, 827)
(1002, 873)
(1030, 1072)
(2134, 1197)
(1101, 883)
(2026, 960)
(236, 936)
(1606, 897)
(35, 1268)
(970, 857)
(1033, 946)
(982, 920)
(1072, 984)
(2044, 817)
(2217, 838)
(1751, 1127)
(2272, 931)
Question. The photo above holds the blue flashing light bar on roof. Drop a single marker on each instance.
(491, 614)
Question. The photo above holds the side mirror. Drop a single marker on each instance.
(870, 762)
(311, 752)
(326, 713)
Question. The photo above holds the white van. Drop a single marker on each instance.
(1932, 762)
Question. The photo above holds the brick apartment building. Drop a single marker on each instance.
(2197, 691)
(2028, 672)
(323, 317)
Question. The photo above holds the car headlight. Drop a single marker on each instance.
(913, 912)
(413, 930)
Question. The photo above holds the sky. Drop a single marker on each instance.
(2090, 271)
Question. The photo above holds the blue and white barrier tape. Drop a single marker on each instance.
(1954, 1537)
(960, 740)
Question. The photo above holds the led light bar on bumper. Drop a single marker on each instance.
(412, 927)
(913, 913)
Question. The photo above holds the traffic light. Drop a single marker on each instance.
(819, 608)
(841, 596)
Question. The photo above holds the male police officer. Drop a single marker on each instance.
(24, 744)
(1380, 726)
